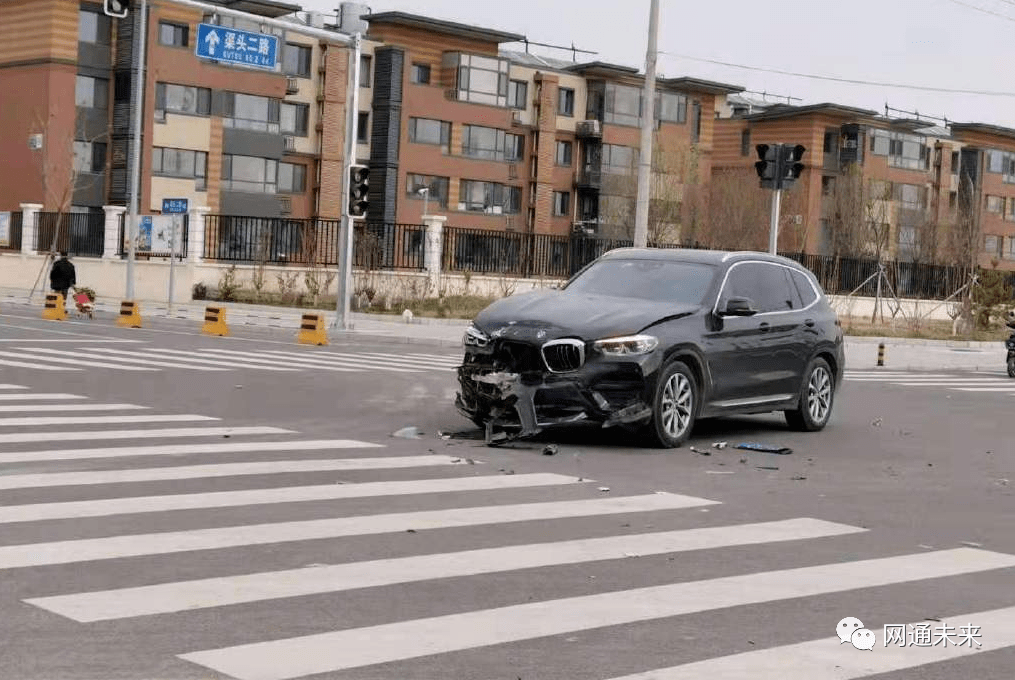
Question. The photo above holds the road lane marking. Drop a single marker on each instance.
(83, 338)
(139, 434)
(255, 361)
(191, 359)
(8, 386)
(39, 396)
(829, 659)
(405, 360)
(207, 471)
(114, 547)
(188, 449)
(39, 367)
(311, 362)
(230, 590)
(237, 359)
(353, 648)
(33, 408)
(104, 507)
(41, 356)
(98, 420)
(126, 359)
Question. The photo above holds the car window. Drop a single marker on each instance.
(803, 285)
(654, 280)
(794, 293)
(765, 285)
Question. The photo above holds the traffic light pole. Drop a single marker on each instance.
(136, 146)
(773, 233)
(345, 246)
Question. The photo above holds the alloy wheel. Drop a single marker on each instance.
(677, 405)
(819, 394)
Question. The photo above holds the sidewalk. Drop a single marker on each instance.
(861, 351)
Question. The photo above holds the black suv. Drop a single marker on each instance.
(653, 339)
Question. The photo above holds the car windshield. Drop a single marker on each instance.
(654, 280)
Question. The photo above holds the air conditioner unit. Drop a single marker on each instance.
(292, 85)
(516, 117)
(285, 204)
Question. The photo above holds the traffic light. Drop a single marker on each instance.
(767, 165)
(791, 163)
(116, 8)
(359, 187)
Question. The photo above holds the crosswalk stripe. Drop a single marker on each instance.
(8, 386)
(317, 363)
(231, 590)
(40, 367)
(98, 420)
(40, 396)
(13, 408)
(79, 339)
(220, 470)
(186, 449)
(114, 547)
(135, 359)
(237, 359)
(191, 359)
(254, 358)
(341, 359)
(77, 362)
(829, 658)
(353, 648)
(104, 507)
(81, 435)
(932, 381)
(364, 358)
(1010, 388)
(956, 383)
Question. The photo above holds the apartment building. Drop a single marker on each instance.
(913, 172)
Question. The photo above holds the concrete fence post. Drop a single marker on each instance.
(433, 248)
(111, 242)
(29, 227)
(195, 233)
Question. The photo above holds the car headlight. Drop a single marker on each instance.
(629, 344)
(474, 337)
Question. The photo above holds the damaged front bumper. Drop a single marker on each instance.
(511, 403)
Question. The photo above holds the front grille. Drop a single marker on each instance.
(562, 356)
(517, 357)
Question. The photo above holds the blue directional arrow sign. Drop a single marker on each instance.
(234, 46)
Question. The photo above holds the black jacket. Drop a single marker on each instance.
(62, 275)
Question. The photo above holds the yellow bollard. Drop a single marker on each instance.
(312, 330)
(215, 321)
(881, 354)
(55, 309)
(130, 314)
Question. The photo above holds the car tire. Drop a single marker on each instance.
(674, 406)
(816, 397)
(1011, 367)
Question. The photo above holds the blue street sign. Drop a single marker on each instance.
(145, 233)
(174, 206)
(234, 46)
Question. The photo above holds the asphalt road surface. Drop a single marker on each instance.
(180, 506)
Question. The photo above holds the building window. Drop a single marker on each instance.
(561, 203)
(173, 35)
(420, 74)
(623, 105)
(489, 197)
(437, 186)
(992, 244)
(91, 93)
(480, 80)
(363, 127)
(565, 102)
(518, 94)
(955, 162)
(89, 157)
(296, 60)
(364, 70)
(430, 131)
(93, 27)
(619, 160)
(670, 107)
(564, 153)
(181, 164)
(250, 174)
(911, 196)
(995, 204)
(294, 119)
(292, 178)
(903, 150)
(1003, 163)
(195, 101)
(745, 143)
(249, 112)
(491, 144)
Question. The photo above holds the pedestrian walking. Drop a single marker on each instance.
(62, 276)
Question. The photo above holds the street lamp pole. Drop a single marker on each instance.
(136, 146)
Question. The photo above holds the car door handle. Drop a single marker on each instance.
(764, 326)
(809, 323)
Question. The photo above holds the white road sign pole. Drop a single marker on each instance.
(136, 146)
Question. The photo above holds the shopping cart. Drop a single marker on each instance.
(84, 305)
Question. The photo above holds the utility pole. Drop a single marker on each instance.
(136, 145)
(648, 108)
(345, 246)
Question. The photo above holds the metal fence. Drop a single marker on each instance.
(13, 241)
(312, 241)
(79, 234)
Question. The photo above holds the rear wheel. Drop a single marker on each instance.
(674, 407)
(1011, 367)
(816, 395)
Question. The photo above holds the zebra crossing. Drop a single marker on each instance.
(148, 359)
(981, 381)
(444, 495)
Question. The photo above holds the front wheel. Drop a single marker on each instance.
(674, 406)
(816, 395)
(1011, 367)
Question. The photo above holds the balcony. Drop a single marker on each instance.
(589, 129)
(292, 85)
(590, 178)
(289, 144)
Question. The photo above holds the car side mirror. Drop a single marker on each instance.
(739, 306)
